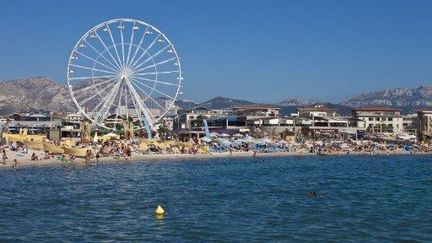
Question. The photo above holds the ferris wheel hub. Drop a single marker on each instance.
(125, 73)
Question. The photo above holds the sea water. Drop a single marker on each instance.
(359, 198)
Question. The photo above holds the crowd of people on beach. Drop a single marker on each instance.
(126, 149)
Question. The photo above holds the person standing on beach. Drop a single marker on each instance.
(88, 156)
(4, 157)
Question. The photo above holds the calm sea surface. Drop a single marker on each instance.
(382, 198)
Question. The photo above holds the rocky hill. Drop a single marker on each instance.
(293, 102)
(44, 94)
(399, 97)
(37, 93)
(224, 103)
(186, 104)
(287, 106)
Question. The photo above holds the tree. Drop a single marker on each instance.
(163, 131)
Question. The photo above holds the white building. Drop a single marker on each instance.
(379, 120)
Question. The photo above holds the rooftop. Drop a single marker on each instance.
(376, 109)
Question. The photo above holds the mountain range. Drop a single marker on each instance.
(33, 94)
(407, 99)
(44, 94)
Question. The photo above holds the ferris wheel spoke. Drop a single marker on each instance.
(107, 50)
(114, 44)
(145, 51)
(108, 102)
(98, 105)
(102, 55)
(90, 78)
(94, 60)
(122, 43)
(126, 103)
(118, 106)
(138, 47)
(138, 113)
(97, 93)
(83, 102)
(139, 101)
(140, 79)
(92, 69)
(152, 56)
(144, 109)
(145, 93)
(94, 85)
(157, 73)
(155, 64)
(131, 41)
(160, 92)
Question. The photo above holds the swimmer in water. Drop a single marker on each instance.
(312, 194)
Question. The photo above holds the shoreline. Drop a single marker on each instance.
(182, 157)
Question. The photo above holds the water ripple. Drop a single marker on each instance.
(382, 198)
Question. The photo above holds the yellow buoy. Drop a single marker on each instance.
(159, 210)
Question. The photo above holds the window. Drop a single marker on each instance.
(370, 119)
(390, 119)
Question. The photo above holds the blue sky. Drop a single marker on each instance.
(264, 51)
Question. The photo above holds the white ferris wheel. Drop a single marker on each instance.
(124, 68)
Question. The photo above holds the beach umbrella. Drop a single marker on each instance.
(95, 138)
(282, 142)
(214, 134)
(225, 143)
(111, 135)
(344, 146)
(238, 135)
(264, 140)
(224, 135)
(247, 139)
(206, 139)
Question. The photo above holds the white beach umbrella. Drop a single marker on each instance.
(206, 139)
(225, 142)
(224, 135)
(214, 134)
(111, 135)
(95, 138)
(282, 142)
(264, 140)
(238, 135)
(247, 139)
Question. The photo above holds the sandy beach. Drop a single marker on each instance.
(24, 160)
